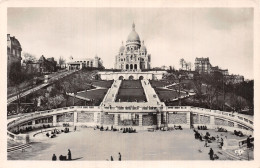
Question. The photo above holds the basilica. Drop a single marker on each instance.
(133, 56)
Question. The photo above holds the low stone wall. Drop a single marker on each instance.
(149, 120)
(179, 118)
(85, 117)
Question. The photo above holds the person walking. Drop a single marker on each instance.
(54, 158)
(69, 154)
(211, 154)
(119, 158)
(112, 158)
(75, 128)
(206, 143)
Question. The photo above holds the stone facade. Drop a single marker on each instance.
(85, 117)
(204, 119)
(195, 119)
(66, 117)
(133, 56)
(85, 62)
(149, 120)
(221, 122)
(202, 65)
(179, 118)
(108, 119)
(14, 58)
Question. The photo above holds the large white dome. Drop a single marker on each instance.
(133, 36)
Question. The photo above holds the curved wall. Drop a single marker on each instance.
(185, 116)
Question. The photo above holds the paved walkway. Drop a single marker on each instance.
(56, 77)
(151, 96)
(112, 92)
(89, 144)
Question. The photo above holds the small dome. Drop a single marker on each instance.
(143, 48)
(122, 48)
(133, 36)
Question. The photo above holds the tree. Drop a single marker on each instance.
(61, 61)
(53, 102)
(182, 63)
(29, 58)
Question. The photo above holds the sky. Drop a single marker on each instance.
(225, 35)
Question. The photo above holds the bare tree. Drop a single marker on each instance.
(182, 63)
(61, 61)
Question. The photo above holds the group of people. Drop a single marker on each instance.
(119, 157)
(101, 128)
(66, 124)
(202, 127)
(220, 129)
(238, 133)
(128, 130)
(66, 130)
(61, 157)
(177, 127)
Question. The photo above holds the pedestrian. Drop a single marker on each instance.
(69, 154)
(75, 128)
(54, 158)
(119, 158)
(112, 158)
(211, 154)
(206, 143)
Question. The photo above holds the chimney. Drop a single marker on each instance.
(8, 37)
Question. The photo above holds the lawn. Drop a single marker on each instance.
(131, 91)
(165, 94)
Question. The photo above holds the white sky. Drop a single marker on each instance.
(225, 35)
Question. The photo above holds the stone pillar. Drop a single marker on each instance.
(235, 125)
(33, 124)
(116, 119)
(75, 117)
(212, 121)
(198, 118)
(96, 117)
(54, 121)
(188, 119)
(165, 118)
(140, 119)
(102, 118)
(158, 119)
